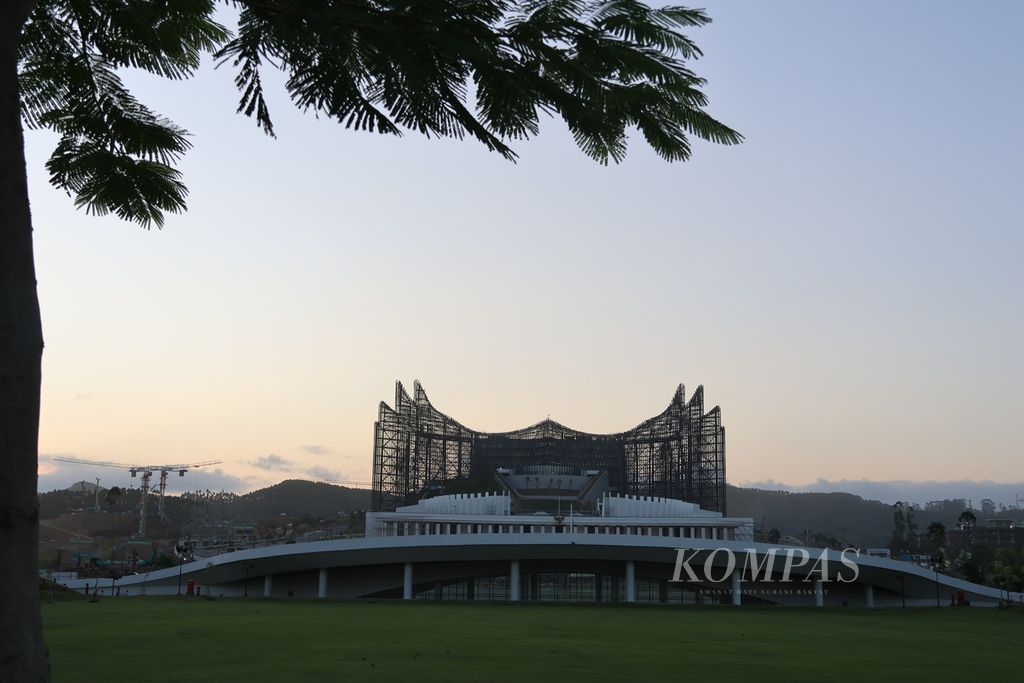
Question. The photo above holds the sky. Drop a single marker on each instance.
(845, 284)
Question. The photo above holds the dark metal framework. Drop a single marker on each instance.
(677, 454)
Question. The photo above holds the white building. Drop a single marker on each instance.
(491, 513)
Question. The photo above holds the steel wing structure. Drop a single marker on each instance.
(678, 454)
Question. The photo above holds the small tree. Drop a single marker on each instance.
(967, 520)
(910, 537)
(897, 542)
(936, 533)
(113, 495)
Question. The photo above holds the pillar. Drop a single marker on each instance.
(819, 593)
(407, 582)
(513, 582)
(630, 581)
(737, 595)
(321, 589)
(268, 585)
(869, 595)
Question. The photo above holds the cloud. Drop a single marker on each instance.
(274, 463)
(219, 480)
(319, 472)
(316, 449)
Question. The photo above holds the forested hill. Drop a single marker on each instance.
(296, 498)
(843, 516)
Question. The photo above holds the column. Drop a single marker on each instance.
(819, 593)
(268, 585)
(737, 595)
(869, 595)
(630, 581)
(321, 591)
(407, 582)
(513, 582)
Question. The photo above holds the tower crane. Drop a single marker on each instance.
(348, 483)
(145, 472)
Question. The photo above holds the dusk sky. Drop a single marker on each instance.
(846, 284)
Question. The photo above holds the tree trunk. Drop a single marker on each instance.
(23, 655)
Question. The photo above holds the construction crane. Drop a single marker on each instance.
(145, 472)
(348, 483)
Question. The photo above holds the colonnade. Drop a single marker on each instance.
(515, 590)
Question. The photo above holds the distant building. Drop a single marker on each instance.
(419, 451)
(997, 533)
(1002, 523)
(471, 514)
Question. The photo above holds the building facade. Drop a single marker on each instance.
(491, 513)
(679, 454)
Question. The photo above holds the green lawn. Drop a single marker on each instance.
(169, 639)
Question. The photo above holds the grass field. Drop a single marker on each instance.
(169, 639)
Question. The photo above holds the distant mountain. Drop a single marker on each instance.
(293, 497)
(86, 487)
(845, 516)
(1001, 493)
(297, 497)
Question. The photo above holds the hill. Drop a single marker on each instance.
(296, 497)
(293, 497)
(843, 516)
